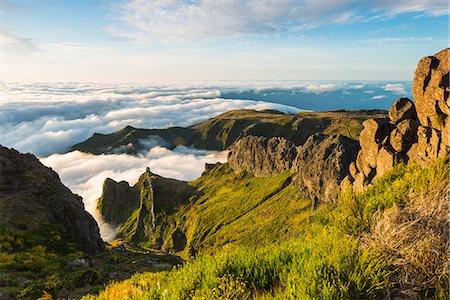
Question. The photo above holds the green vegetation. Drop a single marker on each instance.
(220, 132)
(249, 251)
(46, 261)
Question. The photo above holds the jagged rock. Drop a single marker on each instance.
(209, 167)
(118, 201)
(33, 195)
(158, 197)
(262, 156)
(331, 157)
(402, 109)
(427, 147)
(374, 132)
(385, 161)
(404, 135)
(431, 89)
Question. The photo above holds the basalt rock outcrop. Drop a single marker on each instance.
(148, 205)
(261, 155)
(320, 165)
(32, 196)
(118, 201)
(414, 132)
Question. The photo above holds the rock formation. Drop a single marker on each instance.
(321, 163)
(261, 155)
(317, 167)
(145, 208)
(118, 201)
(415, 132)
(32, 195)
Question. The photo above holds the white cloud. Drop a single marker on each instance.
(84, 173)
(48, 118)
(176, 20)
(378, 97)
(431, 7)
(397, 88)
(322, 87)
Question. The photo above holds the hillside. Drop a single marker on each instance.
(220, 132)
(49, 245)
(325, 219)
(369, 245)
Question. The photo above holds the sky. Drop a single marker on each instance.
(201, 40)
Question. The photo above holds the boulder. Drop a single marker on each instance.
(362, 165)
(353, 169)
(404, 135)
(261, 155)
(321, 164)
(385, 161)
(431, 89)
(427, 147)
(402, 109)
(371, 137)
(358, 184)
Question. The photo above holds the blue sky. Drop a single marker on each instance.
(163, 41)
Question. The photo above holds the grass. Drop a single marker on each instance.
(389, 240)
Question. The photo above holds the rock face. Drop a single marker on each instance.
(118, 201)
(415, 132)
(431, 89)
(145, 209)
(32, 195)
(321, 164)
(261, 155)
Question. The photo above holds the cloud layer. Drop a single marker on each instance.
(48, 118)
(84, 173)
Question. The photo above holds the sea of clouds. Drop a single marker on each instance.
(47, 118)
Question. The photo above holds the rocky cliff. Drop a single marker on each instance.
(118, 201)
(261, 155)
(320, 165)
(414, 132)
(144, 210)
(33, 196)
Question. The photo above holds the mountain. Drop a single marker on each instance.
(33, 198)
(49, 245)
(221, 132)
(320, 217)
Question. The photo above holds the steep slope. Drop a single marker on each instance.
(33, 197)
(392, 239)
(220, 132)
(220, 209)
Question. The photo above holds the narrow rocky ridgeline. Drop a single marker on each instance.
(414, 132)
(32, 196)
(143, 209)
